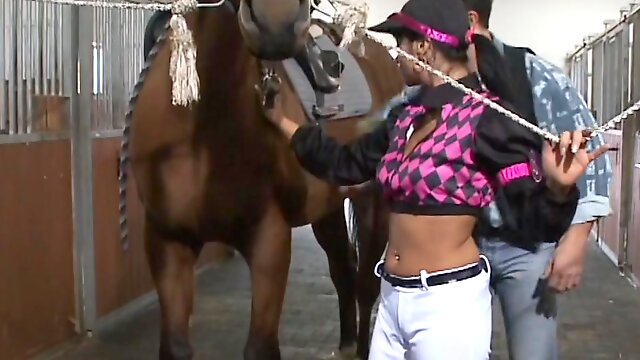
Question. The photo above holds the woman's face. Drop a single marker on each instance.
(412, 73)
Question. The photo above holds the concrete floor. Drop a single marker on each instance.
(601, 320)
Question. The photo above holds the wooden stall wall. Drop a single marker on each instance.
(77, 68)
(37, 302)
(121, 276)
(633, 256)
(609, 227)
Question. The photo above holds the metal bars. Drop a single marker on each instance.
(117, 47)
(34, 69)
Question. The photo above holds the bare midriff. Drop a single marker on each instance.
(431, 243)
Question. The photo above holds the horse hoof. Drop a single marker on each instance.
(347, 353)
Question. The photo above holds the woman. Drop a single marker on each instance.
(445, 158)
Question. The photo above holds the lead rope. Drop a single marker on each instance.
(347, 19)
(346, 22)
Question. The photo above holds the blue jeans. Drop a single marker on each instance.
(528, 307)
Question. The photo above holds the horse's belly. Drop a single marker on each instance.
(183, 188)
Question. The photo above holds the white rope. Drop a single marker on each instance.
(362, 19)
(618, 119)
(182, 65)
(515, 117)
(185, 87)
(353, 18)
(495, 106)
(127, 5)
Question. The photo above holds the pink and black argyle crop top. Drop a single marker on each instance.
(472, 154)
(440, 176)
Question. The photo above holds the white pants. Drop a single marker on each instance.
(443, 322)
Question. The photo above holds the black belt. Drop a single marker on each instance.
(433, 280)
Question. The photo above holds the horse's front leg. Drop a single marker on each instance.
(172, 264)
(269, 257)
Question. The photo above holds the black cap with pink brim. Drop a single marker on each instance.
(444, 21)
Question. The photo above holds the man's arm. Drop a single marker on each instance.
(559, 107)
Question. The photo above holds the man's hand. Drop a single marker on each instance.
(565, 271)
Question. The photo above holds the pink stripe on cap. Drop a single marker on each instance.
(514, 172)
(425, 30)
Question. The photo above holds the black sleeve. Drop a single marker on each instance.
(350, 164)
(529, 210)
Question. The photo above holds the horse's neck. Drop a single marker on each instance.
(221, 45)
(227, 71)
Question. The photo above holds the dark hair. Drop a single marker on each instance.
(491, 65)
(482, 7)
(406, 34)
(492, 68)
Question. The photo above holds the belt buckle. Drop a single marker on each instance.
(424, 276)
(378, 270)
(487, 265)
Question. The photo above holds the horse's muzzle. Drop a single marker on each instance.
(278, 40)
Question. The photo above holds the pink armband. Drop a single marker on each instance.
(515, 172)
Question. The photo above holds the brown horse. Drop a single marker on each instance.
(219, 172)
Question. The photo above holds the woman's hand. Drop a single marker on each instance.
(275, 114)
(564, 163)
(269, 95)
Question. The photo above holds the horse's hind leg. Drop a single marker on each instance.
(371, 232)
(269, 256)
(331, 233)
(172, 266)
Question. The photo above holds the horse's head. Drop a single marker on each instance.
(274, 29)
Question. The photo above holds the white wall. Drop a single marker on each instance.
(550, 27)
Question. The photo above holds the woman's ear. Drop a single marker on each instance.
(421, 49)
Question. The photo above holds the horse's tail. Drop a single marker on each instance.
(123, 175)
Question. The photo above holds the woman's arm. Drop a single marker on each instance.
(325, 158)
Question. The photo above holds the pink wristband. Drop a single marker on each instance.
(514, 172)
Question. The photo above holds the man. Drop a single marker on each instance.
(526, 280)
